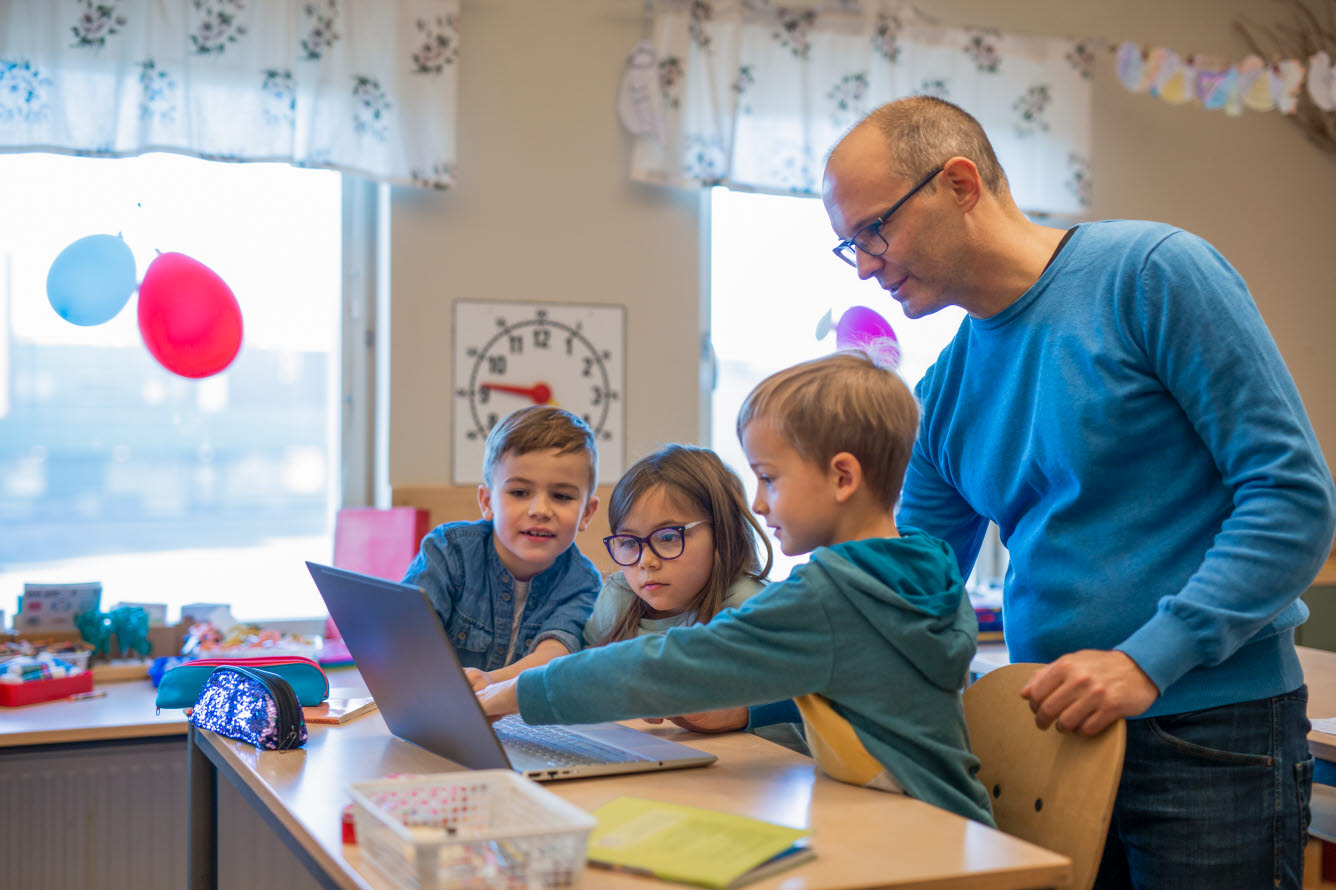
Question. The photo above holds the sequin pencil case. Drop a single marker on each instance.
(180, 686)
(253, 705)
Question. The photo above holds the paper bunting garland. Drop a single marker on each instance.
(1250, 84)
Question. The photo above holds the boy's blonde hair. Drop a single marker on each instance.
(842, 402)
(540, 428)
(694, 477)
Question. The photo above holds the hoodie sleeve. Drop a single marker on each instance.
(775, 646)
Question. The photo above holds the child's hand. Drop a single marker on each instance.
(726, 720)
(478, 679)
(499, 699)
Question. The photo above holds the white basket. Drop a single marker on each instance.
(470, 830)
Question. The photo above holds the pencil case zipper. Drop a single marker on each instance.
(289, 710)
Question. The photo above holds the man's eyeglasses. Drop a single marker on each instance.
(868, 239)
(666, 543)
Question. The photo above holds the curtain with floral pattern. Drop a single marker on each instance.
(751, 94)
(352, 85)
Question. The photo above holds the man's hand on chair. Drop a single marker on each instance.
(1086, 691)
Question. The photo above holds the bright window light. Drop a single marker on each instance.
(773, 277)
(112, 469)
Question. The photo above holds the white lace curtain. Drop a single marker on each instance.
(752, 95)
(353, 85)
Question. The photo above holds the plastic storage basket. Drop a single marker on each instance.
(476, 829)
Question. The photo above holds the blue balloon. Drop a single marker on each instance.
(91, 280)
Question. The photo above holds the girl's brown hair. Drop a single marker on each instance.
(696, 477)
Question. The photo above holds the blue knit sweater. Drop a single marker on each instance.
(1130, 426)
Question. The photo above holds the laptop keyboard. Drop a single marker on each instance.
(558, 746)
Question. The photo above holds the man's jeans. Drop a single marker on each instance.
(1213, 799)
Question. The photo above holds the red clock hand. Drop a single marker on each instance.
(541, 393)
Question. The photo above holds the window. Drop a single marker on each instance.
(772, 279)
(113, 469)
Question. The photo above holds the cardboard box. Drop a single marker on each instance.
(52, 607)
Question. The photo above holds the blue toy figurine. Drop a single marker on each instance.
(131, 626)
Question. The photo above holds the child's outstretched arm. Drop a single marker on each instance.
(545, 651)
(759, 652)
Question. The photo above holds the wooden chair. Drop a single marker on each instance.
(1050, 788)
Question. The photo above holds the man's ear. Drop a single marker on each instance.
(846, 476)
(485, 501)
(590, 508)
(962, 178)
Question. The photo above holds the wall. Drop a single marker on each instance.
(544, 208)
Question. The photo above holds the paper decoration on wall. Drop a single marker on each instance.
(1322, 82)
(1250, 84)
(639, 100)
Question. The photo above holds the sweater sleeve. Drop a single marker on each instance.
(1206, 341)
(773, 647)
(930, 503)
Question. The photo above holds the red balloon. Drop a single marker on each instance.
(189, 318)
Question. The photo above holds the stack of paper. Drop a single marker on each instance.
(692, 845)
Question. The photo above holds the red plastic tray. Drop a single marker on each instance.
(14, 694)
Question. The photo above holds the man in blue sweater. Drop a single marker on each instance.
(1114, 402)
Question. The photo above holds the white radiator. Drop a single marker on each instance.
(113, 817)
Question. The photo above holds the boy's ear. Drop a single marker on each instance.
(846, 475)
(485, 501)
(590, 508)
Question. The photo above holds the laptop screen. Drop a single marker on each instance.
(401, 649)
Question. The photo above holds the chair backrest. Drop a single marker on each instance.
(1050, 788)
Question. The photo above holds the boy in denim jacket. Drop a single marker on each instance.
(512, 589)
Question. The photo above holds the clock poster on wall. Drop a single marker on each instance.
(510, 355)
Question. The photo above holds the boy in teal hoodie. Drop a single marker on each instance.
(872, 637)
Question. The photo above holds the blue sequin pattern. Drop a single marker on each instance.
(239, 707)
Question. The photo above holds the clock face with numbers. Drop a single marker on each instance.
(511, 355)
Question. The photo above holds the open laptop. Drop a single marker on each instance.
(404, 655)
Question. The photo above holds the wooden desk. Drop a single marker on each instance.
(863, 838)
(1320, 675)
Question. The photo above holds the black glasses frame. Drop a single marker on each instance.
(641, 542)
(866, 238)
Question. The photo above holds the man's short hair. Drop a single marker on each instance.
(540, 428)
(923, 132)
(842, 402)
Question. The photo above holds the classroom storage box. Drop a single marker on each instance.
(14, 694)
(470, 830)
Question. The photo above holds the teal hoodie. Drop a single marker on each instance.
(880, 628)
